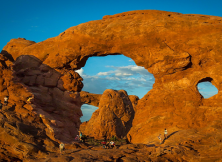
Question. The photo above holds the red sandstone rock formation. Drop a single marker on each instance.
(179, 50)
(89, 98)
(58, 107)
(113, 118)
(52, 115)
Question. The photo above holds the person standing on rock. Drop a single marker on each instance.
(80, 135)
(159, 137)
(112, 144)
(77, 137)
(61, 147)
(165, 133)
(5, 100)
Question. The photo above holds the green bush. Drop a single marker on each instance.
(113, 138)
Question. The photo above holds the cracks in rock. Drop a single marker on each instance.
(45, 57)
(168, 45)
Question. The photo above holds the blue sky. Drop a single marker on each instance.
(38, 20)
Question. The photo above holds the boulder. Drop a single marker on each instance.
(113, 118)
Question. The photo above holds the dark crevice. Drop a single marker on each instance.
(7, 55)
(207, 79)
(188, 65)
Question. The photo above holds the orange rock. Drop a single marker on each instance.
(49, 101)
(179, 50)
(90, 98)
(113, 118)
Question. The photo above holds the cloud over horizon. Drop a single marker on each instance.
(129, 78)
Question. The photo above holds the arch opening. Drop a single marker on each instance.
(87, 111)
(114, 72)
(206, 88)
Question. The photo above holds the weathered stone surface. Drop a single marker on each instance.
(179, 50)
(90, 98)
(52, 116)
(134, 100)
(72, 81)
(48, 100)
(113, 118)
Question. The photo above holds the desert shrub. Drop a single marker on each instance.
(113, 138)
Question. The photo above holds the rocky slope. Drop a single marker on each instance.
(50, 117)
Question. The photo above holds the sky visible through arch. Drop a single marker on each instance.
(113, 72)
(38, 20)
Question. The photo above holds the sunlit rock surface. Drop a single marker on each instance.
(179, 50)
(113, 117)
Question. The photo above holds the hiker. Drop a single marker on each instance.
(165, 133)
(159, 137)
(104, 144)
(112, 144)
(107, 145)
(77, 137)
(80, 135)
(5, 100)
(61, 147)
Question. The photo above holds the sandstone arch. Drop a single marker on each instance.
(177, 49)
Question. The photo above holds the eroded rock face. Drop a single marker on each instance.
(59, 108)
(90, 98)
(113, 118)
(50, 117)
(179, 50)
(22, 131)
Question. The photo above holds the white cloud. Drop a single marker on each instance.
(87, 111)
(103, 73)
(80, 71)
(135, 80)
(129, 78)
(127, 70)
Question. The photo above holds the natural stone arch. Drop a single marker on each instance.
(117, 72)
(164, 45)
(87, 111)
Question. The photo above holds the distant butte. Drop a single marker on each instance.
(180, 50)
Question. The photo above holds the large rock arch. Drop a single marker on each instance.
(179, 50)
